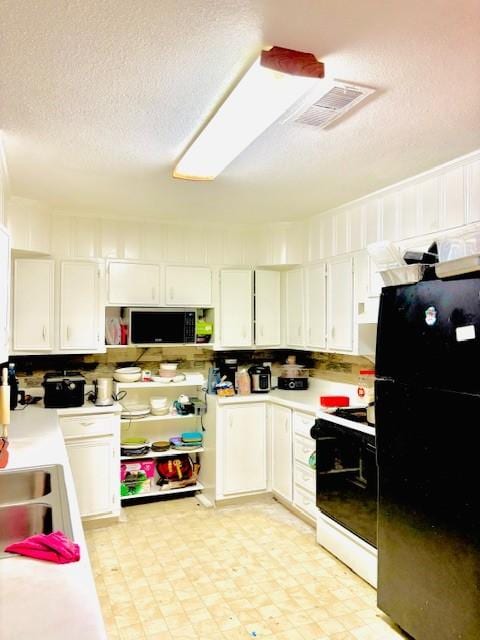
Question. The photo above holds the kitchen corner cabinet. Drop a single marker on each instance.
(236, 313)
(340, 304)
(188, 286)
(281, 419)
(132, 283)
(267, 308)
(93, 447)
(33, 305)
(242, 449)
(79, 311)
(294, 300)
(4, 292)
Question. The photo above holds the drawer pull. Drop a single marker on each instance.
(87, 424)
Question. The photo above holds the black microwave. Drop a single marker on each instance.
(157, 326)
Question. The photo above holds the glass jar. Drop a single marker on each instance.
(366, 385)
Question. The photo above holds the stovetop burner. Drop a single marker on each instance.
(356, 414)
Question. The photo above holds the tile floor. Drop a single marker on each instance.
(175, 570)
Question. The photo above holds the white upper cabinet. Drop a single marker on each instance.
(33, 305)
(282, 482)
(316, 306)
(294, 308)
(188, 286)
(79, 317)
(267, 308)
(133, 283)
(340, 304)
(236, 316)
(4, 292)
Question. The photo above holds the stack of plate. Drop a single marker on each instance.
(134, 447)
(134, 410)
(177, 443)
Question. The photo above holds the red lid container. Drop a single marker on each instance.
(334, 401)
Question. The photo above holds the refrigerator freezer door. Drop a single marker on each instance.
(429, 334)
(428, 454)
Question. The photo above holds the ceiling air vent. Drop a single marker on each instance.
(339, 99)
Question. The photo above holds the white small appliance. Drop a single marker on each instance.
(103, 392)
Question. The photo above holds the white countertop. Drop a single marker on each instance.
(307, 401)
(42, 599)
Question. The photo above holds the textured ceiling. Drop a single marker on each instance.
(99, 99)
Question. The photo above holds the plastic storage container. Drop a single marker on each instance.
(243, 383)
(366, 385)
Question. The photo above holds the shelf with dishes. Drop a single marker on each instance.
(162, 454)
(152, 418)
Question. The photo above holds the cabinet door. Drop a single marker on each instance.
(33, 296)
(130, 283)
(79, 305)
(188, 286)
(91, 461)
(245, 449)
(236, 308)
(340, 304)
(294, 308)
(282, 451)
(4, 292)
(267, 308)
(316, 306)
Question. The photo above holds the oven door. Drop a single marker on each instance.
(347, 478)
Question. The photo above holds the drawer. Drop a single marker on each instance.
(303, 448)
(305, 501)
(302, 423)
(89, 425)
(304, 477)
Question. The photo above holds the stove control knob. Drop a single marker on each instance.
(291, 384)
(71, 386)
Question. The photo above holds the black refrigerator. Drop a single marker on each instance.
(427, 408)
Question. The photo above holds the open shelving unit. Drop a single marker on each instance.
(161, 427)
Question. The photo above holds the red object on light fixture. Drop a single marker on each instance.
(295, 63)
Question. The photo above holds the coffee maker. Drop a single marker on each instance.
(260, 377)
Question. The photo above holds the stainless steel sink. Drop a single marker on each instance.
(32, 501)
(18, 486)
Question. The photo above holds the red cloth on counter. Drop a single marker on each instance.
(53, 547)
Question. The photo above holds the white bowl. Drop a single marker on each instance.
(168, 366)
(127, 374)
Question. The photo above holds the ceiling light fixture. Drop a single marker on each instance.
(273, 84)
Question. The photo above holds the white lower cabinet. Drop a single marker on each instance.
(242, 449)
(93, 448)
(281, 420)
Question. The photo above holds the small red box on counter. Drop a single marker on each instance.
(334, 401)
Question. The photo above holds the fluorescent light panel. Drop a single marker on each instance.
(260, 98)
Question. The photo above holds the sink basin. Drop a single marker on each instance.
(23, 520)
(19, 486)
(32, 501)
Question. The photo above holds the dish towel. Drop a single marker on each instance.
(54, 547)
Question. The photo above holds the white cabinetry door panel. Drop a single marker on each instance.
(267, 308)
(294, 308)
(91, 461)
(453, 194)
(236, 315)
(33, 305)
(188, 286)
(473, 182)
(4, 292)
(245, 449)
(316, 306)
(132, 283)
(79, 305)
(340, 304)
(282, 452)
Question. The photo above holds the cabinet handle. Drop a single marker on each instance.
(44, 333)
(244, 332)
(333, 332)
(68, 332)
(171, 292)
(306, 450)
(298, 331)
(305, 477)
(87, 424)
(153, 293)
(261, 330)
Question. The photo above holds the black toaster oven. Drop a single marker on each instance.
(63, 389)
